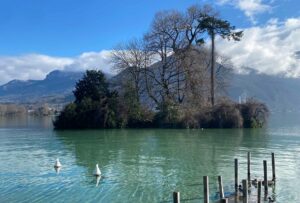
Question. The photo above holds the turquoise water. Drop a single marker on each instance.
(140, 165)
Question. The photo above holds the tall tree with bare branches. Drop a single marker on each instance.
(131, 59)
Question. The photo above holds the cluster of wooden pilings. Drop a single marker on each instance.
(244, 188)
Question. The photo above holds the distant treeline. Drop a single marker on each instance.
(167, 79)
(18, 109)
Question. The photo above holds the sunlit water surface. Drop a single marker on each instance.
(141, 165)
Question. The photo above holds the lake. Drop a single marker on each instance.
(141, 165)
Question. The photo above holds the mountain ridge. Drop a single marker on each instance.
(55, 84)
(278, 92)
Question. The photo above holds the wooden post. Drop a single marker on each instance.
(265, 177)
(176, 197)
(221, 187)
(224, 200)
(206, 189)
(249, 168)
(245, 191)
(259, 192)
(273, 167)
(236, 174)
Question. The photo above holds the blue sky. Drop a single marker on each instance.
(68, 33)
(70, 27)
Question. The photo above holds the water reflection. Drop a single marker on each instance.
(139, 165)
(57, 169)
(98, 178)
(26, 121)
(162, 160)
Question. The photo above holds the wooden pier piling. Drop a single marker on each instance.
(265, 177)
(245, 191)
(273, 167)
(221, 187)
(176, 197)
(206, 189)
(259, 192)
(242, 192)
(249, 168)
(236, 174)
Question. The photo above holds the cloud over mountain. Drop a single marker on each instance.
(271, 49)
(37, 66)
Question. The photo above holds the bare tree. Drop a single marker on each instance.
(131, 59)
(170, 62)
(161, 41)
(170, 40)
(224, 69)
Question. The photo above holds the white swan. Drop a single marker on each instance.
(57, 164)
(97, 171)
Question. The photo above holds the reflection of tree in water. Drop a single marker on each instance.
(161, 161)
(26, 121)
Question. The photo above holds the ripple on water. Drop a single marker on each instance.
(139, 165)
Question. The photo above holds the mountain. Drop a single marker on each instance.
(57, 85)
(279, 93)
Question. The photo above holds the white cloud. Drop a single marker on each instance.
(249, 7)
(37, 66)
(271, 49)
(91, 60)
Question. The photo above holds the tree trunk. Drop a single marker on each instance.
(212, 75)
(137, 92)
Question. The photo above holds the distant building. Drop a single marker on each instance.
(243, 98)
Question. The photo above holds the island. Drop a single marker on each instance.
(170, 78)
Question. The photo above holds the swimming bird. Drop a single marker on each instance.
(57, 163)
(270, 199)
(254, 182)
(97, 171)
(270, 182)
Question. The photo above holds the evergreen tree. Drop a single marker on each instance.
(215, 26)
(93, 85)
(94, 107)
